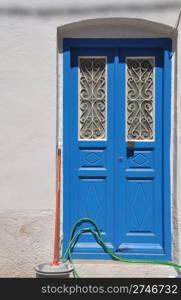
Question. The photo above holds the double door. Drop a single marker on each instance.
(116, 149)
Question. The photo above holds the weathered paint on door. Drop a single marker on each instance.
(116, 145)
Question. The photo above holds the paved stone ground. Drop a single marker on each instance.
(110, 269)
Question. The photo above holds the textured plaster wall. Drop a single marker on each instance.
(26, 240)
(28, 102)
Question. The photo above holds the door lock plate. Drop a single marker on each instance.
(130, 144)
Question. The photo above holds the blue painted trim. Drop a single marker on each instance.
(164, 43)
(105, 256)
(166, 146)
(66, 144)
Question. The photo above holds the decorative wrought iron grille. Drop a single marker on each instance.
(92, 98)
(140, 98)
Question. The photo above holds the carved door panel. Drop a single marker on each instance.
(92, 146)
(139, 179)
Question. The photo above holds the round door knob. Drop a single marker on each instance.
(121, 158)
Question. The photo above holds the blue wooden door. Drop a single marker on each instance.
(116, 146)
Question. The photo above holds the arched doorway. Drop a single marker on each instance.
(116, 144)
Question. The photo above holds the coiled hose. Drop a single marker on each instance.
(96, 232)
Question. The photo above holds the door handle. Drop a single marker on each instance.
(120, 158)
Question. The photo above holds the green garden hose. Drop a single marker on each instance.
(96, 232)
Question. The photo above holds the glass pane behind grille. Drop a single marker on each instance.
(92, 98)
(140, 99)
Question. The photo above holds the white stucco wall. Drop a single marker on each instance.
(28, 85)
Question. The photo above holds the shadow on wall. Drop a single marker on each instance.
(74, 10)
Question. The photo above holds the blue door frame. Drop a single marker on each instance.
(81, 182)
